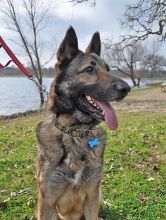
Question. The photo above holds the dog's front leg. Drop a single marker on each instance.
(45, 211)
(91, 208)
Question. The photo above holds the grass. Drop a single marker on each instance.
(133, 178)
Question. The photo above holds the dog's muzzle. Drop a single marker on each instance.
(116, 91)
(122, 87)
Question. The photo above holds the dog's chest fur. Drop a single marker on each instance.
(68, 161)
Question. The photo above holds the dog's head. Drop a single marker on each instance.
(84, 86)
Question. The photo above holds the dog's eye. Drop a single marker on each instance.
(89, 69)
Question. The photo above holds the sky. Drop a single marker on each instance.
(104, 17)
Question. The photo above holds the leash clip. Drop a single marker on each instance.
(41, 88)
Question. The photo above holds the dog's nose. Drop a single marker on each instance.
(122, 87)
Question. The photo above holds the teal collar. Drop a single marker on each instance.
(74, 132)
(78, 133)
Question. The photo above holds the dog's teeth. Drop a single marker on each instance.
(89, 98)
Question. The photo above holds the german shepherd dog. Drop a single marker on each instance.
(70, 161)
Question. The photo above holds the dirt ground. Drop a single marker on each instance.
(150, 99)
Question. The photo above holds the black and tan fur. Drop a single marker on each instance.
(68, 171)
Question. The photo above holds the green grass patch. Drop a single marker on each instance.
(133, 179)
(142, 91)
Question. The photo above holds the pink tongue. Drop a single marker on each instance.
(109, 114)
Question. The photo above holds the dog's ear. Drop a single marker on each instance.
(68, 48)
(94, 45)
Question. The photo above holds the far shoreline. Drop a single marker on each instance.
(53, 76)
(20, 114)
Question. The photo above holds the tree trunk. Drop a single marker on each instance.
(132, 71)
(138, 82)
(40, 81)
(41, 98)
(133, 80)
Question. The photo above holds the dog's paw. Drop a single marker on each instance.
(101, 219)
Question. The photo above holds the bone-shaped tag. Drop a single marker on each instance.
(93, 143)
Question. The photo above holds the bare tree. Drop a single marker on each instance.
(126, 60)
(155, 64)
(147, 17)
(93, 2)
(29, 28)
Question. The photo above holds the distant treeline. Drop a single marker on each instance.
(13, 71)
(50, 72)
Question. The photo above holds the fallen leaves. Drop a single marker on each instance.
(21, 192)
(3, 191)
(143, 198)
(107, 203)
(15, 195)
(3, 205)
(150, 178)
(31, 202)
(146, 138)
(156, 168)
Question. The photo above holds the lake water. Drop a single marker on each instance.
(20, 94)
